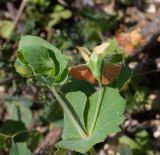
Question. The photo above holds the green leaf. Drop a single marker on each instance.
(23, 100)
(38, 58)
(78, 101)
(16, 132)
(142, 137)
(59, 13)
(61, 152)
(123, 78)
(11, 127)
(125, 150)
(113, 54)
(137, 149)
(6, 27)
(32, 138)
(113, 47)
(23, 69)
(66, 14)
(52, 113)
(4, 141)
(113, 58)
(22, 136)
(108, 121)
(104, 53)
(19, 149)
(95, 63)
(78, 85)
(139, 145)
(58, 8)
(17, 109)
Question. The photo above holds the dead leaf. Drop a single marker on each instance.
(110, 73)
(82, 72)
(84, 52)
(128, 41)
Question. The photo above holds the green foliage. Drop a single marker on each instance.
(15, 132)
(95, 63)
(11, 127)
(125, 150)
(89, 30)
(88, 118)
(40, 59)
(6, 27)
(123, 78)
(42, 4)
(112, 53)
(67, 24)
(19, 109)
(59, 13)
(78, 85)
(140, 145)
(109, 118)
(52, 113)
(61, 152)
(102, 20)
(136, 96)
(4, 141)
(19, 149)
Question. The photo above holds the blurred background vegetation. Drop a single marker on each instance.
(28, 111)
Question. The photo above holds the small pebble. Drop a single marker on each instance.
(134, 122)
(106, 147)
(148, 106)
(152, 96)
(151, 9)
(157, 116)
(126, 123)
(156, 134)
(110, 152)
(102, 152)
(157, 63)
(132, 65)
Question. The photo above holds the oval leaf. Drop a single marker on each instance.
(19, 149)
(108, 121)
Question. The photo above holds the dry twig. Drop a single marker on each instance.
(47, 145)
(7, 80)
(19, 14)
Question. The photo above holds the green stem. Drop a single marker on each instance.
(92, 151)
(69, 113)
(98, 105)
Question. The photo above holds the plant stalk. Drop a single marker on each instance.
(99, 101)
(69, 113)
